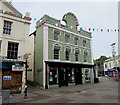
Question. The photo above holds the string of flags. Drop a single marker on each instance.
(66, 26)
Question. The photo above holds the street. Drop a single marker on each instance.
(104, 92)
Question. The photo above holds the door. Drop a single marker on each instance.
(78, 76)
(63, 77)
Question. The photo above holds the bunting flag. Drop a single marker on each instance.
(66, 26)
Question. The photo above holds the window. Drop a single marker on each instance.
(76, 55)
(7, 27)
(12, 50)
(85, 56)
(87, 77)
(105, 65)
(84, 43)
(67, 54)
(76, 41)
(56, 35)
(56, 53)
(67, 38)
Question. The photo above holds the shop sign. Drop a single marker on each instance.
(17, 68)
(7, 77)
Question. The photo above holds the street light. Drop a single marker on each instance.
(113, 51)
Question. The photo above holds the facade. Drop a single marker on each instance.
(110, 65)
(14, 34)
(62, 53)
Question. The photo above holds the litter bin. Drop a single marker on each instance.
(5, 96)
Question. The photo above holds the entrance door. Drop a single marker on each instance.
(78, 76)
(63, 78)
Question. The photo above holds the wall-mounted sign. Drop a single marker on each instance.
(17, 68)
(7, 77)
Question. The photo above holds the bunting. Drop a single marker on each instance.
(66, 26)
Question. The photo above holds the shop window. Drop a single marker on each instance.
(67, 38)
(87, 77)
(71, 76)
(7, 27)
(85, 56)
(56, 35)
(67, 54)
(12, 51)
(53, 76)
(76, 41)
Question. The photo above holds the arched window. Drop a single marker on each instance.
(67, 54)
(85, 56)
(57, 52)
(76, 54)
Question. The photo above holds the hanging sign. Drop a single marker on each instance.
(17, 68)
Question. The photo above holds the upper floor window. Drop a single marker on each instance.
(105, 65)
(7, 27)
(67, 54)
(12, 52)
(56, 35)
(67, 38)
(84, 43)
(57, 52)
(85, 56)
(76, 41)
(77, 55)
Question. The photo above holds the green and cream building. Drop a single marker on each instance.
(62, 54)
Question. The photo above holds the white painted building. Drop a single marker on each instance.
(14, 33)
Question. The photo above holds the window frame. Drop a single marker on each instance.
(76, 41)
(67, 55)
(56, 54)
(7, 27)
(67, 38)
(12, 49)
(56, 33)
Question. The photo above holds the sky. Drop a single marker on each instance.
(92, 14)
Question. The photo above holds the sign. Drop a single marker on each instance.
(17, 68)
(7, 77)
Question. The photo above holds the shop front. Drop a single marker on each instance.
(12, 74)
(65, 74)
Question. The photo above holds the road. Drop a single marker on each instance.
(106, 91)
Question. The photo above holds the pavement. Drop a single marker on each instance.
(106, 91)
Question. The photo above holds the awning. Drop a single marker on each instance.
(111, 69)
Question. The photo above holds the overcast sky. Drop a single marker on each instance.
(95, 15)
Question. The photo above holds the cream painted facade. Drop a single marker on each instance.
(19, 30)
(111, 63)
(19, 33)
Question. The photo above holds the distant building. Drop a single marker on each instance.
(62, 53)
(111, 64)
(14, 34)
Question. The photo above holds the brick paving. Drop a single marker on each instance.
(104, 92)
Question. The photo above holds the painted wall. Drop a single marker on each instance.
(39, 56)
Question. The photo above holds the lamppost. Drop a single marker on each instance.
(113, 54)
(26, 56)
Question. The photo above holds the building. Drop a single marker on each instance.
(62, 53)
(14, 34)
(110, 65)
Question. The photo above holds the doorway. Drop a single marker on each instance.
(78, 76)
